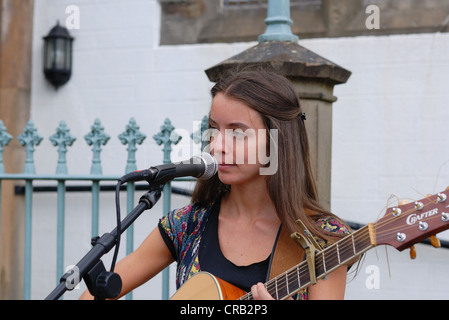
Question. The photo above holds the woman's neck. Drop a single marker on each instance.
(250, 201)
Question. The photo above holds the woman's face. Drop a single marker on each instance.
(238, 138)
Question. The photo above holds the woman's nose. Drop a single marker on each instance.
(221, 146)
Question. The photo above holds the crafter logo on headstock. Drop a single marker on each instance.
(413, 218)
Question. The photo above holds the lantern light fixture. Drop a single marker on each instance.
(58, 56)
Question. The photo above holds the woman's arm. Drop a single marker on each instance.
(141, 265)
(333, 288)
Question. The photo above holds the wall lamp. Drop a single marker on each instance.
(58, 56)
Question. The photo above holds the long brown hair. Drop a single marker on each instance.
(292, 188)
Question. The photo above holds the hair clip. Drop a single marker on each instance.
(302, 116)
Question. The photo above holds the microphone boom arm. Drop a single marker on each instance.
(102, 284)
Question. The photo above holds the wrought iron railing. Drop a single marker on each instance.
(63, 139)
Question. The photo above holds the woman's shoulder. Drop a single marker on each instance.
(332, 224)
(192, 211)
(186, 217)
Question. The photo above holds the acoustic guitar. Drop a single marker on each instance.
(401, 227)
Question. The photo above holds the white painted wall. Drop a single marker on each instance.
(389, 126)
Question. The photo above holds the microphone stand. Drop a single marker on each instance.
(102, 284)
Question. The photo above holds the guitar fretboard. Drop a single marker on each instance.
(293, 280)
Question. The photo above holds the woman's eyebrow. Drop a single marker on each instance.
(238, 125)
(231, 125)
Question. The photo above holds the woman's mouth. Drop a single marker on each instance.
(225, 166)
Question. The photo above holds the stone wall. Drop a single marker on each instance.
(199, 21)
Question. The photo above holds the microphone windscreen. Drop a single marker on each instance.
(211, 166)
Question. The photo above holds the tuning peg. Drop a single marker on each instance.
(435, 242)
(412, 252)
(441, 197)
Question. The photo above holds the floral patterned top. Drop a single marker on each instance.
(182, 230)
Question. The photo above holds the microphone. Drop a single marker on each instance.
(202, 166)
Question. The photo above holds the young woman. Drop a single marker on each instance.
(230, 227)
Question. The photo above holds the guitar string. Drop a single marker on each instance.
(380, 234)
(280, 284)
(388, 232)
(332, 262)
(428, 202)
(274, 286)
(394, 228)
(302, 270)
(383, 233)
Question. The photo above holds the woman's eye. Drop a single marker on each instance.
(239, 133)
(210, 133)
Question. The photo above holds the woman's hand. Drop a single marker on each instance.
(333, 288)
(260, 292)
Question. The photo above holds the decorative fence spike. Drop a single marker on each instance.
(5, 139)
(131, 137)
(96, 137)
(198, 136)
(62, 139)
(29, 138)
(167, 137)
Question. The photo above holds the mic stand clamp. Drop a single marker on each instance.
(101, 283)
(151, 197)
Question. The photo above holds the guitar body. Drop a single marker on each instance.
(205, 286)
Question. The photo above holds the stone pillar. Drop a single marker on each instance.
(314, 78)
(16, 34)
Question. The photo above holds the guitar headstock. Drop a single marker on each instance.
(407, 224)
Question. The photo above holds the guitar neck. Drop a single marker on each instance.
(293, 280)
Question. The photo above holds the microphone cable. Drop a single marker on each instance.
(119, 225)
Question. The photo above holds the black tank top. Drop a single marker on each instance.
(212, 260)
